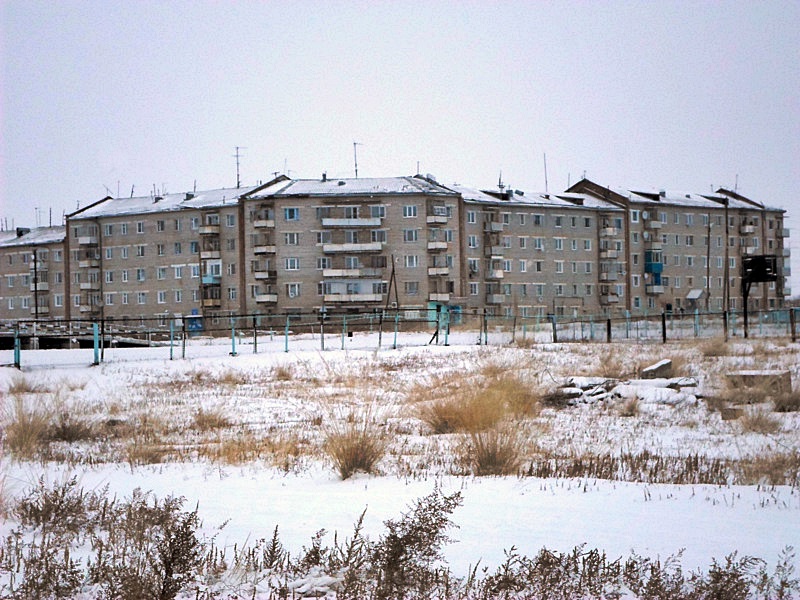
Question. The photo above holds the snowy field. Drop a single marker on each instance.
(295, 395)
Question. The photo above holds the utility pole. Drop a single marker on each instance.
(708, 265)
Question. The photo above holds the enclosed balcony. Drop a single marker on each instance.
(606, 299)
(365, 247)
(438, 297)
(209, 229)
(747, 229)
(654, 289)
(609, 254)
(357, 272)
(334, 298)
(493, 227)
(355, 222)
(437, 246)
(438, 271)
(42, 286)
(495, 298)
(609, 232)
(263, 274)
(266, 298)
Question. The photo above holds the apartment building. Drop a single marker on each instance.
(354, 245)
(32, 273)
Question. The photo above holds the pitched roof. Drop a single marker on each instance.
(366, 186)
(37, 236)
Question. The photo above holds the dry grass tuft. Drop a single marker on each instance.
(26, 428)
(787, 402)
(355, 446)
(715, 348)
(612, 366)
(493, 452)
(760, 420)
(629, 408)
(772, 468)
(20, 384)
(280, 450)
(283, 373)
(208, 420)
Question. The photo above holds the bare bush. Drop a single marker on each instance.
(493, 452)
(208, 420)
(760, 420)
(26, 428)
(787, 402)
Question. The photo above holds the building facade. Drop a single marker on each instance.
(355, 245)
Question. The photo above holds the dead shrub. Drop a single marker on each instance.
(612, 366)
(715, 348)
(355, 446)
(760, 420)
(231, 377)
(20, 384)
(69, 427)
(776, 468)
(142, 451)
(280, 450)
(283, 373)
(492, 452)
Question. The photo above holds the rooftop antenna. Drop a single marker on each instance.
(238, 156)
(51, 216)
(545, 173)
(132, 186)
(500, 183)
(355, 156)
(736, 185)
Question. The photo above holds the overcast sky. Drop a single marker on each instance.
(99, 97)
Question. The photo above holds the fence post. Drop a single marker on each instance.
(396, 325)
(627, 324)
(344, 329)
(183, 337)
(255, 337)
(96, 340)
(322, 331)
(608, 330)
(233, 337)
(793, 323)
(286, 335)
(446, 311)
(17, 349)
(171, 338)
(555, 330)
(725, 324)
(663, 327)
(696, 322)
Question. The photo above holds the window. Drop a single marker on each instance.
(195, 271)
(409, 210)
(538, 220)
(690, 261)
(108, 230)
(410, 235)
(587, 267)
(634, 216)
(194, 247)
(587, 221)
(160, 249)
(587, 244)
(558, 243)
(140, 274)
(231, 269)
(177, 248)
(538, 243)
(177, 224)
(109, 276)
(125, 276)
(411, 261)
(139, 250)
(377, 212)
(635, 237)
(162, 297)
(293, 290)
(448, 235)
(159, 225)
(559, 266)
(179, 272)
(324, 237)
(141, 297)
(109, 253)
(473, 265)
(291, 214)
(573, 221)
(123, 228)
(690, 240)
(506, 241)
(521, 218)
(123, 252)
(472, 241)
(139, 226)
(161, 273)
(194, 223)
(178, 296)
(523, 243)
(635, 258)
(230, 220)
(471, 217)
(523, 266)
(231, 293)
(323, 262)
(689, 219)
(291, 238)
(635, 280)
(559, 221)
(411, 288)
(574, 244)
(292, 263)
(473, 289)
(230, 244)
(507, 265)
(378, 235)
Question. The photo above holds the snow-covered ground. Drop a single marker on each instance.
(656, 520)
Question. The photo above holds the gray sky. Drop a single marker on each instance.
(676, 95)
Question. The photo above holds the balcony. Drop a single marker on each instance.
(747, 229)
(495, 251)
(90, 285)
(609, 232)
(211, 280)
(783, 232)
(212, 302)
(436, 219)
(435, 246)
(43, 286)
(438, 271)
(264, 249)
(653, 267)
(609, 254)
(609, 299)
(493, 227)
(438, 297)
(495, 298)
(368, 247)
(609, 276)
(86, 308)
(43, 310)
(360, 272)
(89, 263)
(263, 223)
(654, 289)
(365, 222)
(267, 298)
(209, 254)
(494, 274)
(653, 224)
(87, 240)
(749, 250)
(334, 298)
(209, 229)
(653, 244)
(265, 274)
(787, 252)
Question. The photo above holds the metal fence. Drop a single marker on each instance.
(192, 336)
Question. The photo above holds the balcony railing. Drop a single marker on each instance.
(654, 289)
(438, 271)
(493, 227)
(436, 219)
(333, 298)
(265, 274)
(267, 298)
(438, 297)
(264, 249)
(437, 245)
(263, 223)
(366, 247)
(209, 230)
(358, 272)
(495, 298)
(356, 222)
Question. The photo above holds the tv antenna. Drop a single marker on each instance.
(238, 155)
(500, 183)
(355, 156)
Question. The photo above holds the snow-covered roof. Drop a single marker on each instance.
(168, 202)
(366, 186)
(37, 236)
(519, 198)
